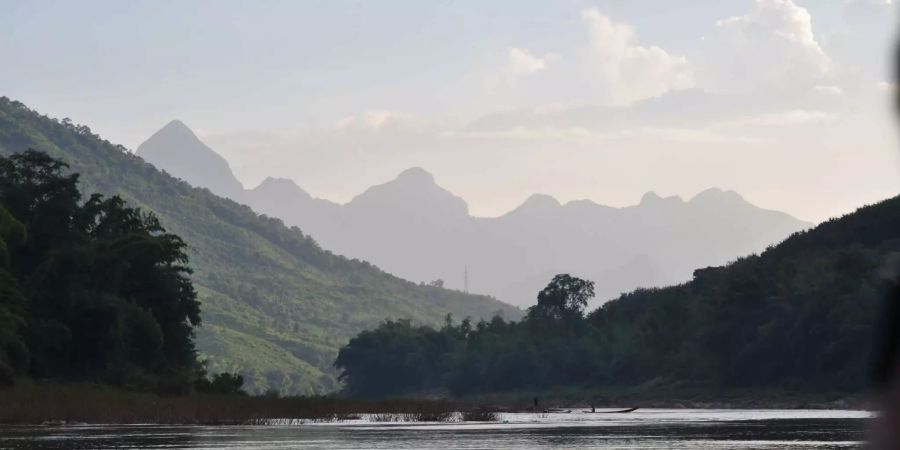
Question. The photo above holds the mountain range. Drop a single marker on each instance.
(275, 305)
(415, 229)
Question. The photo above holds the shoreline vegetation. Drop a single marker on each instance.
(36, 403)
(44, 403)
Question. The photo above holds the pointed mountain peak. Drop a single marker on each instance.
(176, 128)
(175, 124)
(416, 176)
(172, 133)
(280, 186)
(177, 150)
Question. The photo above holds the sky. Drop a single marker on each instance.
(786, 102)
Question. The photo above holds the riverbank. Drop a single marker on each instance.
(52, 403)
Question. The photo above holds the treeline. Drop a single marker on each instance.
(90, 289)
(799, 316)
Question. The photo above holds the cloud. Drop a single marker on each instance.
(521, 62)
(632, 72)
(377, 120)
(792, 117)
(770, 47)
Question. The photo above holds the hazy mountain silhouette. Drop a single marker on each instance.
(177, 150)
(275, 306)
(413, 228)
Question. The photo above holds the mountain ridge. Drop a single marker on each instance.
(413, 227)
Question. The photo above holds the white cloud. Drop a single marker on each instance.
(632, 72)
(521, 62)
(770, 47)
(377, 120)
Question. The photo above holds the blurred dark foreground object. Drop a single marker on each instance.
(886, 434)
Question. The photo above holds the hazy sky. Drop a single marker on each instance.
(785, 102)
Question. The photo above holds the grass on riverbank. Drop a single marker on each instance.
(37, 403)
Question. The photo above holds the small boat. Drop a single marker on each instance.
(618, 411)
(557, 410)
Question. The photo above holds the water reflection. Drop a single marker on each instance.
(649, 429)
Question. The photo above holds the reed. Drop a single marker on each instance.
(38, 403)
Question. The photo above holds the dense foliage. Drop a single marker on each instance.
(276, 307)
(798, 316)
(89, 289)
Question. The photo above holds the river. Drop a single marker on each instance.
(644, 429)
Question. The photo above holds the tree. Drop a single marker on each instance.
(90, 290)
(565, 298)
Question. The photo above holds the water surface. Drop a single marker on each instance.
(644, 429)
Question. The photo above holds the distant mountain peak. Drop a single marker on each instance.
(280, 186)
(279, 182)
(177, 150)
(537, 204)
(176, 124)
(414, 192)
(716, 194)
(652, 198)
(541, 201)
(415, 176)
(175, 129)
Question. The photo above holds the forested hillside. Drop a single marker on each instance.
(90, 289)
(799, 316)
(276, 307)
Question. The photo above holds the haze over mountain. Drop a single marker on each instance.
(197, 162)
(414, 228)
(275, 306)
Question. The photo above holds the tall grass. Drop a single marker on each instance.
(42, 403)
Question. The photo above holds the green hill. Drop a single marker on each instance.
(275, 306)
